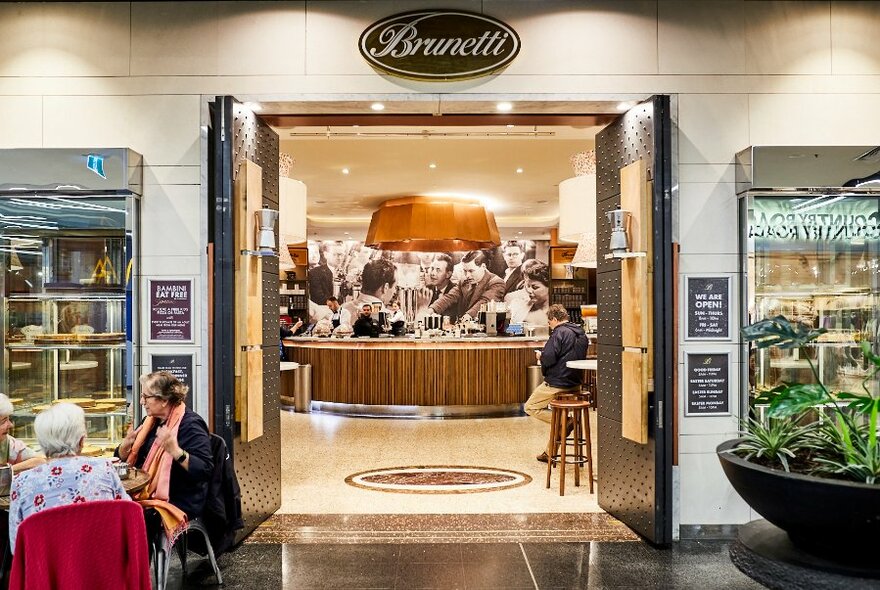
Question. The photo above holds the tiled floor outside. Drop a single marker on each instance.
(688, 565)
(328, 534)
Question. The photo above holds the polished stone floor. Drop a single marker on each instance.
(329, 534)
(691, 565)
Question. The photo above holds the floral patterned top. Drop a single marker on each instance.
(59, 482)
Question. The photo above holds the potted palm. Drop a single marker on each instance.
(813, 467)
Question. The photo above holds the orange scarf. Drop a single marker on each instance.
(158, 464)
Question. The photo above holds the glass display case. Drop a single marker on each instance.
(67, 300)
(814, 257)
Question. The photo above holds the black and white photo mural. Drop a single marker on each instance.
(453, 284)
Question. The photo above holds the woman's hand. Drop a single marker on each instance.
(127, 443)
(168, 440)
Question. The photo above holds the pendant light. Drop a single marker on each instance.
(432, 224)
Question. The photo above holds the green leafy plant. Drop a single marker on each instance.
(776, 442)
(845, 442)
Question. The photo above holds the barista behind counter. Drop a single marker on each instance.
(365, 325)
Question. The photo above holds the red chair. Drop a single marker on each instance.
(99, 545)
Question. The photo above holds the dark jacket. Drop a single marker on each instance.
(320, 284)
(187, 489)
(222, 514)
(515, 281)
(366, 326)
(567, 342)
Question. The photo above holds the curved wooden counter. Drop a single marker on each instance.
(410, 372)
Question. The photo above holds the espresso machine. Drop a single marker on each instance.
(496, 322)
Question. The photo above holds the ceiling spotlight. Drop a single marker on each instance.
(432, 165)
(519, 170)
(347, 233)
(519, 233)
(377, 106)
(504, 107)
(345, 171)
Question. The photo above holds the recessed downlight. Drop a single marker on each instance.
(345, 170)
(519, 170)
(377, 106)
(504, 107)
(432, 165)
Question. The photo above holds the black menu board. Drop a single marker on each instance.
(708, 308)
(708, 384)
(179, 365)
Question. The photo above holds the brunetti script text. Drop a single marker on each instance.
(402, 40)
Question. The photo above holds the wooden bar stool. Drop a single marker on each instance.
(563, 412)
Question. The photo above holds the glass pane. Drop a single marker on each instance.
(815, 259)
(64, 302)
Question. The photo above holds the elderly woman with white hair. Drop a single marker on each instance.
(12, 451)
(67, 477)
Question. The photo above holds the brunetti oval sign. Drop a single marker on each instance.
(439, 45)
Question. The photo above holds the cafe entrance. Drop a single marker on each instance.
(633, 421)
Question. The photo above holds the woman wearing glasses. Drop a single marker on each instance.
(172, 445)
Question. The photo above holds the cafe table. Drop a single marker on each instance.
(136, 481)
(587, 365)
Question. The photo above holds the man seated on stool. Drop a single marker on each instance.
(365, 325)
(567, 342)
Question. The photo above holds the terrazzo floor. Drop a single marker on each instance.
(319, 451)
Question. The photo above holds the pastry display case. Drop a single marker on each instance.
(67, 302)
(813, 256)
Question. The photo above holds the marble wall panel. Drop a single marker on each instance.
(164, 128)
(788, 37)
(701, 37)
(64, 39)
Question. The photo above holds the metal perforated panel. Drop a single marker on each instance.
(627, 479)
(627, 492)
(609, 369)
(258, 462)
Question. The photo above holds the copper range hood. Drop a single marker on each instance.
(432, 224)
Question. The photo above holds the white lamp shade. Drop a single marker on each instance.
(292, 212)
(585, 255)
(577, 208)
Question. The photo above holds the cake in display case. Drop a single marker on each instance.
(67, 302)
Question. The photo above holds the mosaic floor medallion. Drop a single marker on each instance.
(438, 479)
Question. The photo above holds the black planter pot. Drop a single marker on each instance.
(826, 517)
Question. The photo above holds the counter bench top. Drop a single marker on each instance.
(435, 372)
(410, 343)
